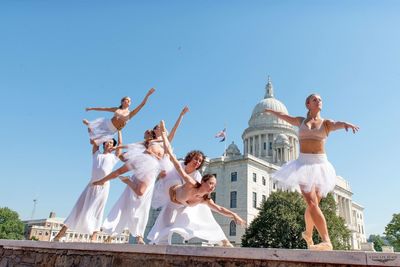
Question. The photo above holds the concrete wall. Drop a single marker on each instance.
(35, 253)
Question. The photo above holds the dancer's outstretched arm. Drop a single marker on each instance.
(168, 150)
(112, 175)
(118, 149)
(102, 109)
(138, 108)
(337, 125)
(224, 211)
(178, 121)
(95, 148)
(296, 121)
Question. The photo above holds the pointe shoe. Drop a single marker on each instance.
(140, 241)
(308, 239)
(323, 246)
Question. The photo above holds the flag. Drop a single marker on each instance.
(221, 134)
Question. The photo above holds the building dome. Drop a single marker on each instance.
(260, 118)
(232, 150)
(282, 139)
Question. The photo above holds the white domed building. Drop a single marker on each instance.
(267, 137)
(244, 180)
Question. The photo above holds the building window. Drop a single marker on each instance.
(214, 196)
(274, 185)
(264, 181)
(232, 228)
(254, 200)
(264, 198)
(233, 199)
(254, 177)
(233, 176)
(265, 146)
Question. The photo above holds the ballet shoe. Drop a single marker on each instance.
(323, 246)
(308, 239)
(140, 241)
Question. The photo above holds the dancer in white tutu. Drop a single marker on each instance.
(180, 215)
(312, 172)
(102, 129)
(132, 209)
(87, 214)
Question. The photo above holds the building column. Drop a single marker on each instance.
(253, 143)
(259, 146)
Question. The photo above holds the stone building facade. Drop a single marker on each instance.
(46, 229)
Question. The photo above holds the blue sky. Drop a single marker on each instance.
(58, 57)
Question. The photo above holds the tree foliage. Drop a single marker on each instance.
(378, 242)
(392, 232)
(11, 226)
(281, 221)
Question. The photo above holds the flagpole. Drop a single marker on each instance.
(226, 140)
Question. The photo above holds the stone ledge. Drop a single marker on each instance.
(128, 254)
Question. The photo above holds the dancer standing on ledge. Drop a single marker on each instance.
(312, 171)
(102, 129)
(87, 214)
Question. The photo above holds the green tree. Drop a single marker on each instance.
(392, 232)
(281, 221)
(11, 226)
(378, 242)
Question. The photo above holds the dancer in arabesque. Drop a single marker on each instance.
(87, 214)
(311, 172)
(132, 208)
(103, 129)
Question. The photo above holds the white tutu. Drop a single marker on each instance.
(101, 130)
(129, 212)
(187, 221)
(306, 171)
(133, 150)
(146, 167)
(87, 214)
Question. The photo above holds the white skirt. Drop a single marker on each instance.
(189, 222)
(101, 130)
(129, 212)
(306, 172)
(87, 214)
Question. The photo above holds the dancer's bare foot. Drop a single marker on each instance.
(124, 179)
(85, 121)
(323, 246)
(93, 237)
(308, 239)
(139, 240)
(226, 243)
(60, 234)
